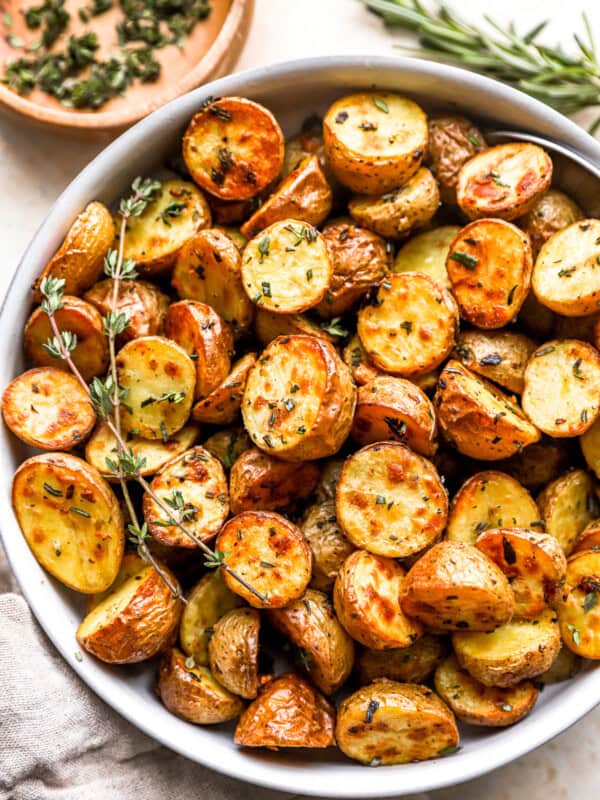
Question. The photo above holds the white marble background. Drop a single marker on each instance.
(35, 167)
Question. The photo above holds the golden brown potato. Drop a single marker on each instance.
(514, 652)
(453, 586)
(48, 408)
(476, 704)
(329, 546)
(90, 355)
(537, 464)
(70, 519)
(394, 723)
(145, 306)
(589, 538)
(489, 265)
(550, 214)
(410, 325)
(308, 141)
(233, 651)
(299, 399)
(223, 404)
(236, 236)
(479, 419)
(269, 326)
(395, 409)
(565, 666)
(366, 599)
(567, 505)
(357, 361)
(327, 650)
(390, 500)
(578, 611)
(222, 155)
(228, 445)
(270, 553)
(131, 564)
(500, 356)
(191, 692)
(503, 181)
(453, 140)
(427, 252)
(412, 664)
(289, 712)
(374, 142)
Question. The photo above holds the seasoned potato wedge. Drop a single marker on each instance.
(476, 704)
(390, 500)
(289, 712)
(195, 482)
(191, 692)
(233, 651)
(311, 625)
(270, 553)
(579, 612)
(489, 266)
(397, 213)
(209, 269)
(357, 361)
(453, 586)
(233, 148)
(589, 538)
(537, 464)
(412, 664)
(71, 520)
(269, 326)
(550, 214)
(410, 325)
(329, 546)
(223, 404)
(453, 140)
(427, 252)
(160, 379)
(374, 142)
(131, 564)
(228, 445)
(565, 666)
(366, 598)
(500, 356)
(503, 181)
(90, 355)
(145, 306)
(394, 723)
(512, 653)
(299, 399)
(479, 419)
(396, 409)
(490, 499)
(48, 408)
(135, 622)
(567, 505)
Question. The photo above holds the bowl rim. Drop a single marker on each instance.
(307, 777)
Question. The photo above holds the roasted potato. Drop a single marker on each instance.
(514, 652)
(145, 306)
(500, 356)
(453, 586)
(330, 477)
(269, 326)
(412, 664)
(70, 519)
(410, 325)
(550, 214)
(308, 141)
(537, 464)
(504, 181)
(48, 409)
(131, 564)
(357, 361)
(289, 712)
(578, 611)
(567, 505)
(427, 252)
(328, 544)
(394, 723)
(453, 140)
(479, 419)
(565, 666)
(589, 538)
(233, 651)
(366, 599)
(223, 404)
(590, 447)
(228, 445)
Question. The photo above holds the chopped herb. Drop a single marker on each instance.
(335, 328)
(511, 295)
(506, 707)
(466, 259)
(397, 427)
(449, 751)
(590, 601)
(289, 403)
(577, 370)
(309, 274)
(263, 247)
(301, 430)
(490, 361)
(51, 490)
(78, 656)
(566, 273)
(544, 351)
(267, 440)
(266, 288)
(164, 432)
(341, 117)
(266, 564)
(406, 326)
(474, 140)
(575, 634)
(171, 211)
(381, 104)
(371, 709)
(495, 176)
(294, 388)
(272, 418)
(80, 512)
(380, 500)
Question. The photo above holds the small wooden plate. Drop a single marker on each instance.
(209, 52)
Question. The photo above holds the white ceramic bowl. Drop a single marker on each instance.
(291, 91)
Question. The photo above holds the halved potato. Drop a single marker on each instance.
(131, 564)
(394, 723)
(476, 704)
(145, 305)
(427, 252)
(590, 447)
(550, 214)
(71, 520)
(410, 325)
(453, 586)
(514, 652)
(328, 544)
(503, 181)
(269, 326)
(366, 599)
(537, 464)
(453, 140)
(289, 712)
(228, 445)
(236, 236)
(233, 651)
(412, 664)
(374, 141)
(565, 666)
(48, 408)
(589, 538)
(223, 404)
(572, 368)
(191, 692)
(567, 505)
(390, 500)
(479, 419)
(500, 356)
(358, 362)
(233, 148)
(579, 611)
(270, 553)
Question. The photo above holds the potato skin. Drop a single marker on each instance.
(357, 361)
(589, 538)
(550, 214)
(223, 404)
(233, 651)
(328, 544)
(412, 664)
(578, 612)
(537, 464)
(453, 140)
(567, 505)
(228, 444)
(500, 356)
(145, 306)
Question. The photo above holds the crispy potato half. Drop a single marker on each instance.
(71, 520)
(479, 419)
(427, 252)
(567, 506)
(453, 140)
(503, 181)
(289, 712)
(578, 611)
(514, 652)
(233, 148)
(366, 599)
(358, 362)
(537, 464)
(223, 404)
(233, 651)
(476, 704)
(228, 445)
(299, 399)
(453, 586)
(589, 538)
(394, 723)
(500, 356)
(374, 142)
(191, 692)
(310, 624)
(269, 326)
(552, 212)
(391, 501)
(410, 325)
(145, 305)
(329, 546)
(48, 408)
(268, 552)
(412, 664)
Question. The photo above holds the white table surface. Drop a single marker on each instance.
(35, 167)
